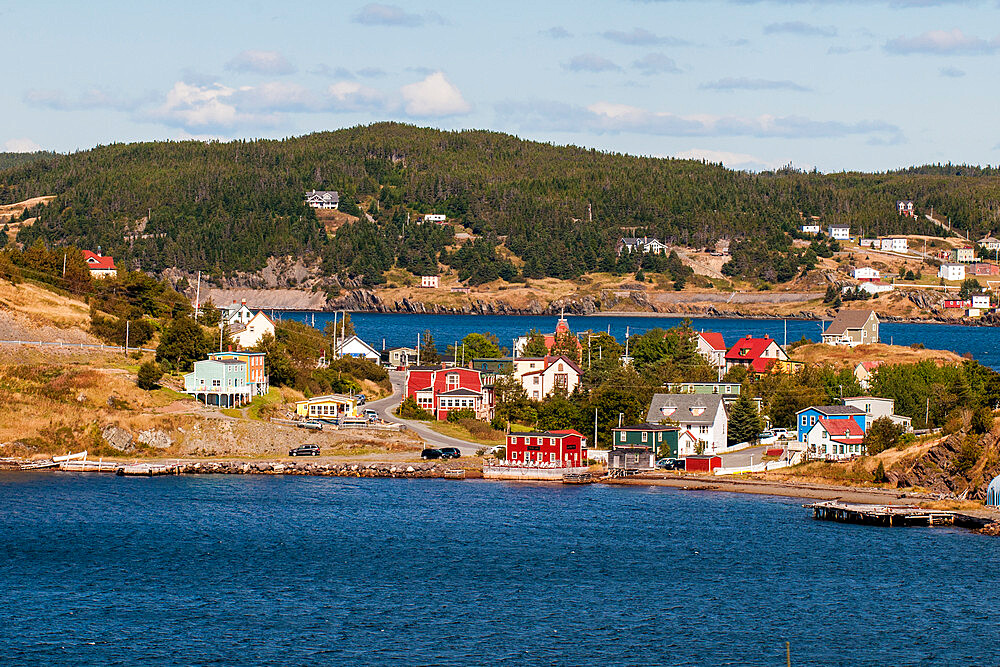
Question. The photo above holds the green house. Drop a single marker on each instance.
(662, 438)
(496, 366)
(220, 382)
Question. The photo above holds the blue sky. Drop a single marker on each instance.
(835, 84)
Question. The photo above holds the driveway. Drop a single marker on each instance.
(385, 406)
(744, 457)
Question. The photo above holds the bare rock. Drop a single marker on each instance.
(155, 438)
(118, 438)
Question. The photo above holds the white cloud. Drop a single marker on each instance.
(729, 84)
(952, 72)
(800, 28)
(390, 15)
(21, 145)
(203, 108)
(590, 62)
(352, 96)
(260, 62)
(641, 37)
(732, 160)
(943, 43)
(656, 63)
(434, 96)
(556, 32)
(276, 96)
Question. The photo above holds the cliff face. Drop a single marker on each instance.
(961, 463)
(369, 301)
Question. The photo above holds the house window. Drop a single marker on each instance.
(536, 379)
(216, 383)
(622, 437)
(644, 436)
(703, 430)
(534, 395)
(452, 381)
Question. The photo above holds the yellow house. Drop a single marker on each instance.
(327, 407)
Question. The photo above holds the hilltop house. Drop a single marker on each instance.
(399, 357)
(439, 218)
(562, 330)
(864, 371)
(566, 448)
(644, 244)
(905, 207)
(256, 374)
(661, 439)
(982, 269)
(989, 243)
(440, 390)
(100, 266)
(895, 244)
(866, 274)
(352, 346)
(712, 346)
(839, 232)
(540, 376)
(964, 255)
(328, 199)
(430, 282)
(250, 334)
(760, 355)
(835, 439)
(237, 314)
(220, 382)
(812, 228)
(806, 418)
(951, 271)
(702, 417)
(852, 328)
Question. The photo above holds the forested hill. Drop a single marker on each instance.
(228, 206)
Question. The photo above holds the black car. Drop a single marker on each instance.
(431, 453)
(450, 453)
(304, 450)
(670, 464)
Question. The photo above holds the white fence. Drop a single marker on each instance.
(81, 346)
(757, 467)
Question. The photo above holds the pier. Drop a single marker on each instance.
(880, 515)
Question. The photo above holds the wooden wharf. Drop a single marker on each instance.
(577, 478)
(454, 473)
(880, 515)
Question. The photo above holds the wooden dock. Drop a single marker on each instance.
(146, 470)
(577, 478)
(454, 473)
(880, 515)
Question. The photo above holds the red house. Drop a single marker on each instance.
(562, 448)
(440, 390)
(562, 329)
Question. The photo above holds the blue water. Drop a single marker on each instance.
(402, 329)
(98, 570)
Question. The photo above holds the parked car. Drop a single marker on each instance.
(361, 398)
(781, 433)
(304, 450)
(372, 415)
(430, 453)
(450, 453)
(670, 464)
(315, 426)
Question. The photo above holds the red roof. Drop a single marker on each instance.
(714, 340)
(762, 364)
(842, 428)
(749, 348)
(568, 431)
(97, 262)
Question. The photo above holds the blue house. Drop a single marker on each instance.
(805, 419)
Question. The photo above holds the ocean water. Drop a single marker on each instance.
(99, 570)
(394, 330)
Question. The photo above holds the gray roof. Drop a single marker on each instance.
(460, 392)
(848, 319)
(834, 410)
(684, 404)
(324, 195)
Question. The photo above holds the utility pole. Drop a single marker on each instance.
(64, 264)
(197, 298)
(222, 328)
(595, 428)
(418, 349)
(126, 337)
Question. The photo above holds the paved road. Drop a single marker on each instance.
(385, 406)
(744, 457)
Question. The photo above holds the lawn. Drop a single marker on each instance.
(454, 430)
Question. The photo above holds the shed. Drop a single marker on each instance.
(702, 463)
(993, 493)
(630, 460)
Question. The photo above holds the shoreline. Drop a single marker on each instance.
(437, 470)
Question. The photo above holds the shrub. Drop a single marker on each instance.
(149, 375)
(455, 416)
(409, 409)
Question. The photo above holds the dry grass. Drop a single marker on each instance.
(332, 219)
(43, 307)
(837, 355)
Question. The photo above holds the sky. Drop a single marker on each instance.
(835, 85)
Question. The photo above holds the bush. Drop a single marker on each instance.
(409, 409)
(149, 375)
(480, 429)
(455, 416)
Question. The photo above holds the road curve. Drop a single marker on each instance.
(385, 407)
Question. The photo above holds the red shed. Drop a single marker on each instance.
(703, 463)
(568, 448)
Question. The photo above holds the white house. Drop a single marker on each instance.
(323, 199)
(432, 282)
(809, 229)
(712, 346)
(951, 271)
(100, 266)
(435, 217)
(835, 439)
(895, 244)
(540, 376)
(704, 415)
(876, 407)
(249, 334)
(852, 328)
(989, 243)
(238, 314)
(905, 207)
(355, 347)
(644, 244)
(839, 232)
(866, 273)
(872, 288)
(981, 301)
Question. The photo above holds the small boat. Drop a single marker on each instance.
(454, 473)
(577, 478)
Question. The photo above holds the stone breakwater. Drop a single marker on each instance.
(394, 470)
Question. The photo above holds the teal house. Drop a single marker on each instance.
(221, 382)
(496, 366)
(661, 438)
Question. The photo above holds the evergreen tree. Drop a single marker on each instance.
(183, 343)
(428, 351)
(149, 375)
(535, 346)
(745, 423)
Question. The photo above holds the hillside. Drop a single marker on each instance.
(555, 211)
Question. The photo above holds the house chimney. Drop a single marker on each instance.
(243, 302)
(98, 251)
(230, 348)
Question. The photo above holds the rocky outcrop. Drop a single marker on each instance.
(155, 438)
(412, 470)
(117, 437)
(961, 464)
